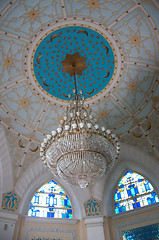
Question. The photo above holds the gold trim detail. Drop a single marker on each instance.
(73, 60)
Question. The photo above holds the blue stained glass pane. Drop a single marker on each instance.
(149, 200)
(116, 210)
(136, 190)
(143, 233)
(129, 192)
(132, 191)
(130, 187)
(115, 197)
(138, 204)
(118, 195)
(123, 208)
(120, 209)
(65, 201)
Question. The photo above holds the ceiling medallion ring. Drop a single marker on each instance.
(92, 94)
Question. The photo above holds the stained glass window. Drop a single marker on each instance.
(150, 232)
(133, 191)
(50, 201)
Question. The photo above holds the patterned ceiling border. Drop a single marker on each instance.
(74, 22)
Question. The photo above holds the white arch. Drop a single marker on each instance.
(36, 176)
(131, 158)
(6, 183)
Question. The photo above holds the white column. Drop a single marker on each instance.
(95, 228)
(7, 225)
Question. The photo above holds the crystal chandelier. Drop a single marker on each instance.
(79, 151)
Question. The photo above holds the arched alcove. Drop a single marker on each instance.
(131, 158)
(34, 178)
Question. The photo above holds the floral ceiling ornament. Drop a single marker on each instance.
(76, 59)
(94, 3)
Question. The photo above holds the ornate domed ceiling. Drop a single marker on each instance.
(115, 45)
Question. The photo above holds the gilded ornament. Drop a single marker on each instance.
(34, 149)
(90, 91)
(54, 36)
(45, 83)
(93, 207)
(83, 31)
(106, 48)
(20, 144)
(148, 126)
(71, 60)
(38, 58)
(107, 73)
(93, 3)
(10, 201)
(137, 135)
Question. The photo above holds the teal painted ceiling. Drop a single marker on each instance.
(52, 51)
(126, 101)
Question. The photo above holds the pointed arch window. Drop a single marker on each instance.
(133, 191)
(50, 201)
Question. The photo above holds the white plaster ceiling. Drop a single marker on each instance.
(130, 105)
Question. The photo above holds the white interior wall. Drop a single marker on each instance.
(6, 183)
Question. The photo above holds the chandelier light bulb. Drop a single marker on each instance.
(103, 129)
(59, 130)
(108, 131)
(54, 133)
(48, 137)
(67, 127)
(89, 125)
(81, 125)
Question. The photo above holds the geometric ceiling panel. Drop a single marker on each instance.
(140, 142)
(23, 154)
(4, 3)
(12, 51)
(16, 152)
(135, 87)
(101, 11)
(137, 38)
(145, 110)
(51, 119)
(109, 113)
(23, 104)
(152, 8)
(30, 158)
(150, 126)
(125, 127)
(24, 17)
